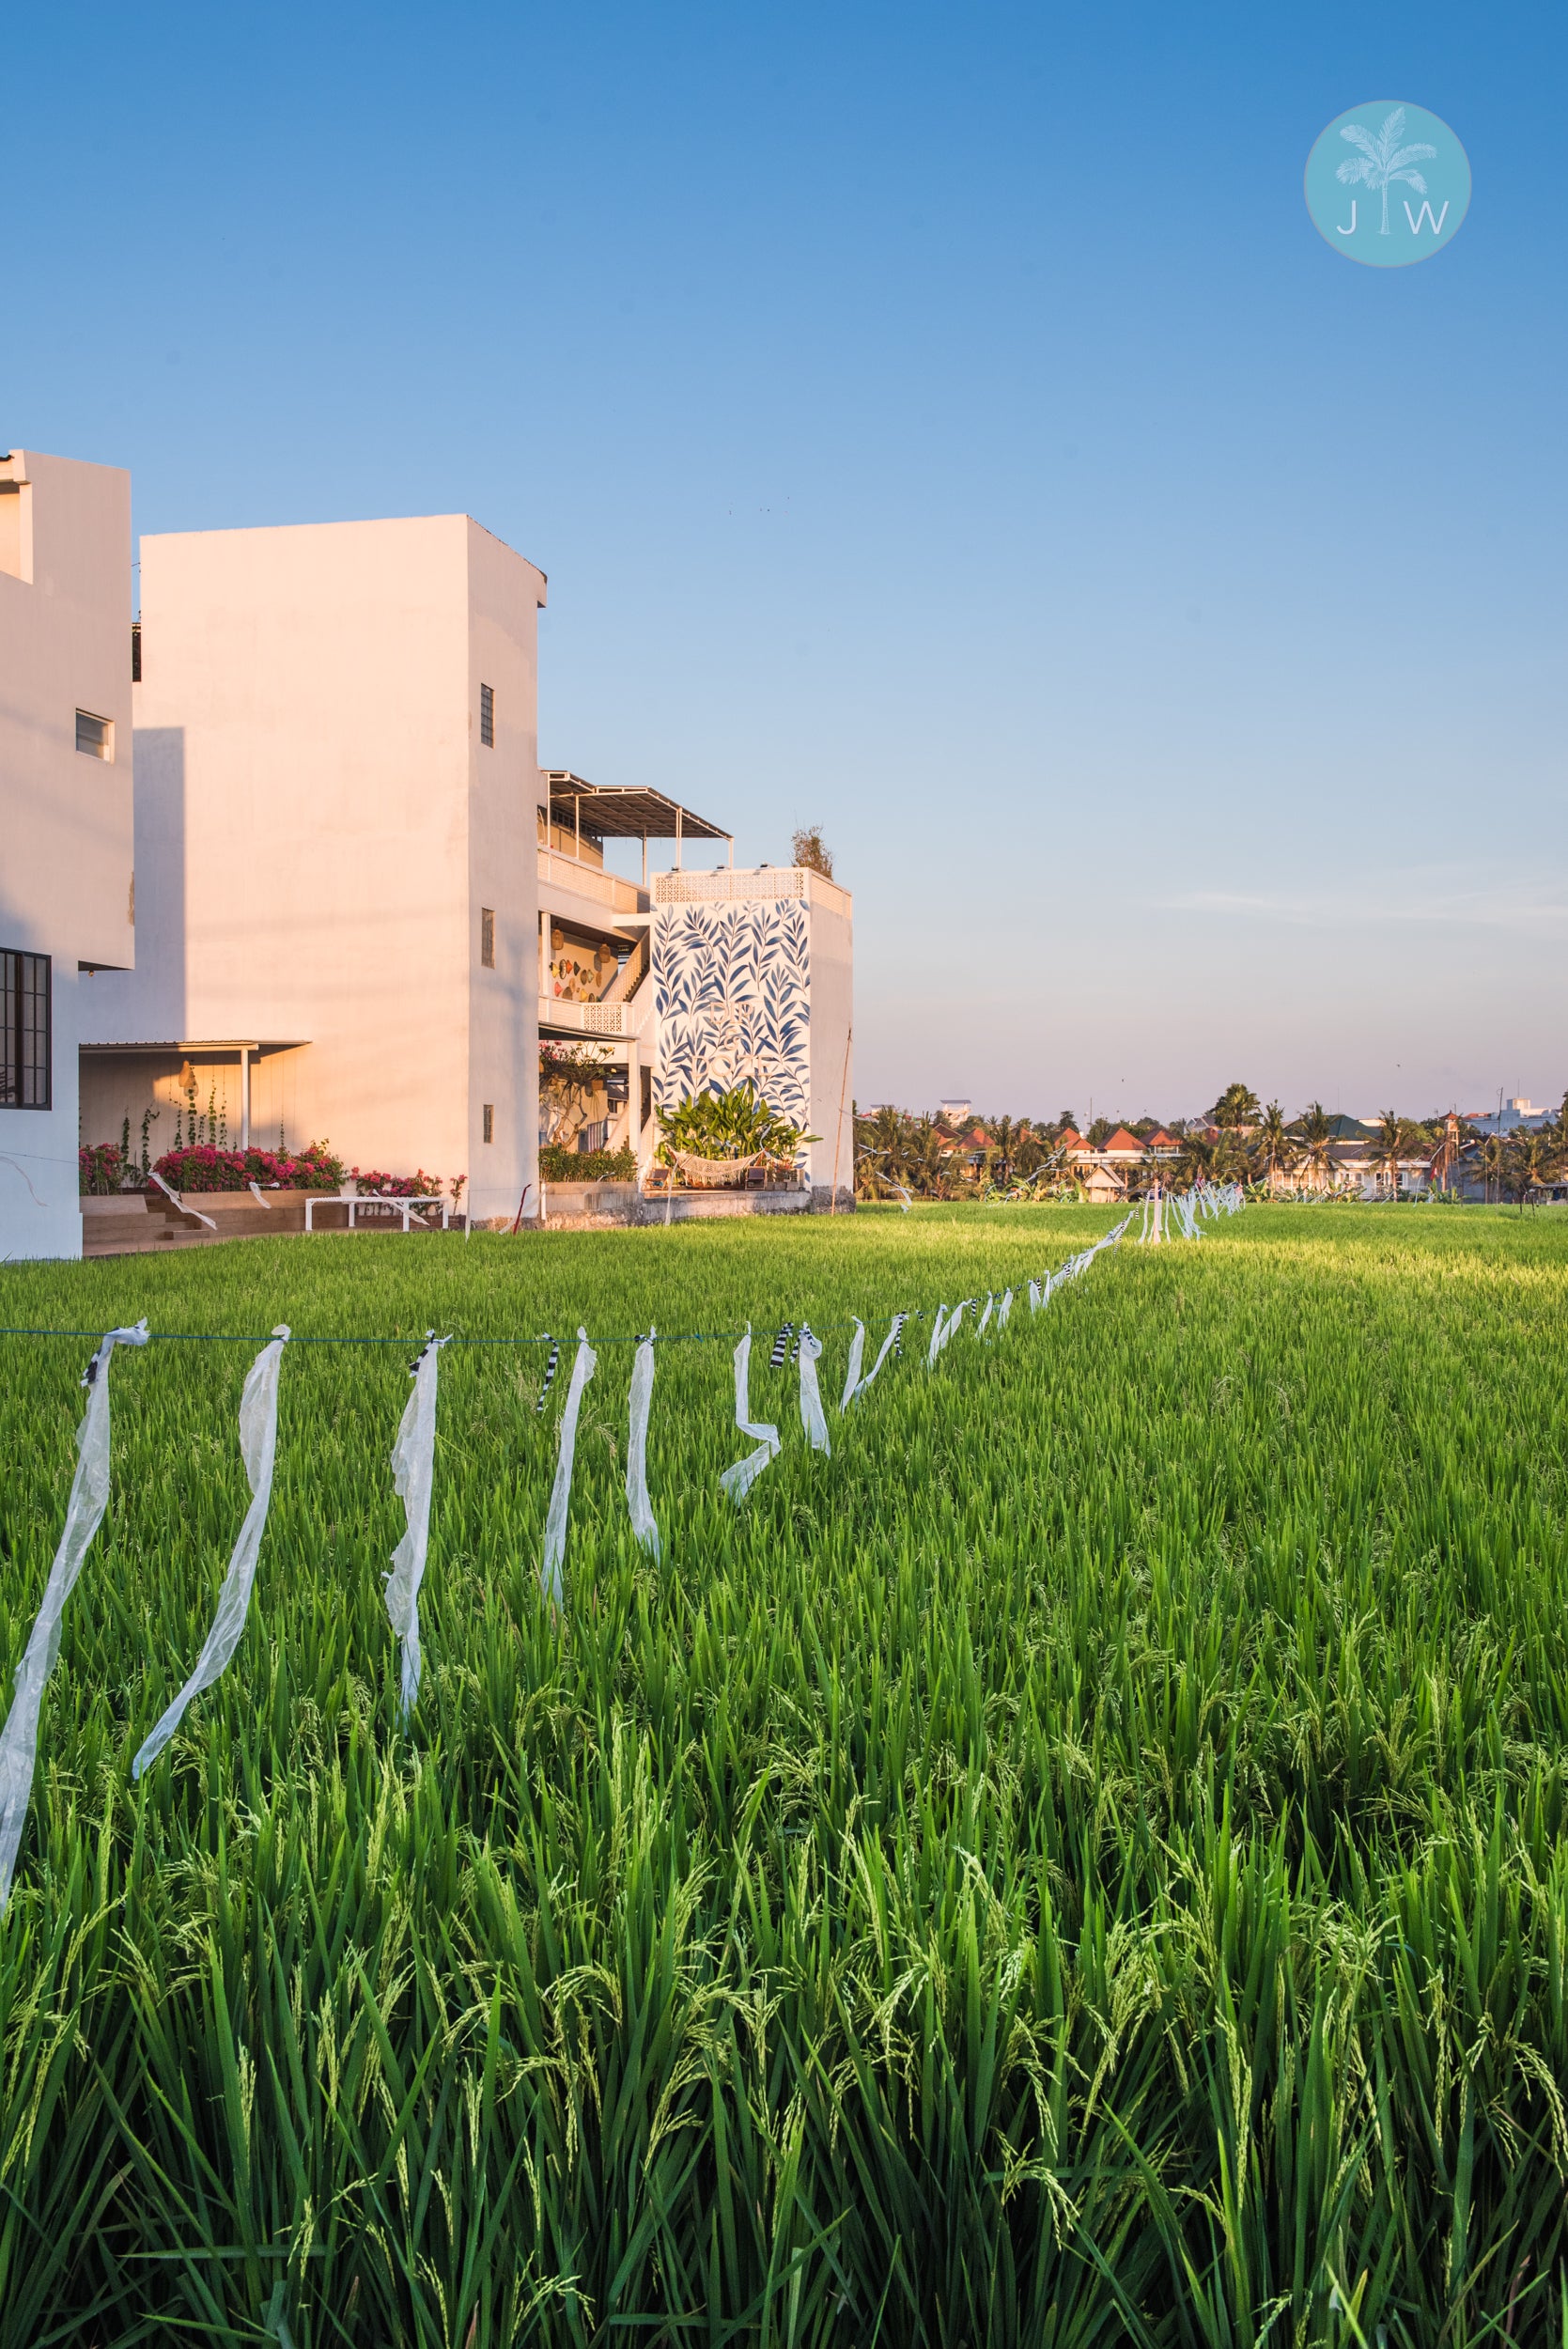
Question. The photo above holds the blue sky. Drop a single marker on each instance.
(942, 423)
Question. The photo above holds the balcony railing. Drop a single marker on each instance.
(608, 1020)
(564, 873)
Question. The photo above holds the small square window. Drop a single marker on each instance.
(487, 716)
(489, 1121)
(487, 936)
(95, 736)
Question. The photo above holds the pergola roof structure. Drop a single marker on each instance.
(623, 811)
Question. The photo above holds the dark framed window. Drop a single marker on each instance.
(487, 716)
(25, 1058)
(487, 936)
(489, 1121)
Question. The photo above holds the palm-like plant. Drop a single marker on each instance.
(1526, 1165)
(1317, 1143)
(1195, 1160)
(1272, 1147)
(1228, 1157)
(1005, 1137)
(1390, 1136)
(1236, 1106)
(1382, 161)
(1493, 1158)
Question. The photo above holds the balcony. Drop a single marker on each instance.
(566, 1018)
(562, 876)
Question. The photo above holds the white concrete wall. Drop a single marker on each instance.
(317, 825)
(709, 1046)
(64, 817)
(831, 914)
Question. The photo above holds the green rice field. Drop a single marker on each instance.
(1084, 1864)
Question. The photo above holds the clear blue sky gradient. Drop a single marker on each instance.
(944, 424)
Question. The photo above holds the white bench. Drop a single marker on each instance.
(353, 1199)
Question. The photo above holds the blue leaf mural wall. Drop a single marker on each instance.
(731, 994)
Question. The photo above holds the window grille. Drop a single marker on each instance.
(487, 716)
(95, 736)
(489, 1121)
(487, 936)
(135, 652)
(25, 1059)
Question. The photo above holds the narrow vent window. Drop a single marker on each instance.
(487, 936)
(487, 716)
(135, 652)
(95, 736)
(489, 1121)
(24, 1042)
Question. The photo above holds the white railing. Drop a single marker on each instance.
(627, 1018)
(701, 889)
(587, 881)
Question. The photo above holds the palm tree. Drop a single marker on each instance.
(1381, 161)
(1194, 1161)
(1526, 1164)
(1005, 1138)
(1236, 1106)
(1390, 1136)
(1493, 1157)
(1271, 1144)
(1228, 1157)
(1318, 1141)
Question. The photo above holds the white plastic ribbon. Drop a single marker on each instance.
(738, 1481)
(852, 1376)
(936, 1346)
(1005, 1309)
(990, 1302)
(812, 1417)
(89, 1497)
(1034, 1296)
(179, 1203)
(258, 1440)
(413, 1465)
(861, 1385)
(954, 1317)
(582, 1370)
(643, 1523)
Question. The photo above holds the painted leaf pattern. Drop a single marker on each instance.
(730, 992)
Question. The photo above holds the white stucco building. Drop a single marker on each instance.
(361, 903)
(335, 850)
(66, 895)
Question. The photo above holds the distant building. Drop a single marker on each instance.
(955, 1111)
(67, 901)
(1517, 1117)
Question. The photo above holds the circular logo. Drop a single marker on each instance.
(1388, 183)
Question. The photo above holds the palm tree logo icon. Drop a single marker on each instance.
(1382, 161)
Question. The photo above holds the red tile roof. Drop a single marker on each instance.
(1122, 1140)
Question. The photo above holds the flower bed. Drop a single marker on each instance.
(375, 1185)
(99, 1169)
(204, 1168)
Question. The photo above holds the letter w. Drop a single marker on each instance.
(1415, 219)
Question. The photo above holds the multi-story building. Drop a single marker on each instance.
(66, 902)
(335, 786)
(363, 905)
